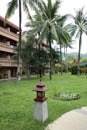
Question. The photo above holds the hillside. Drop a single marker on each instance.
(76, 54)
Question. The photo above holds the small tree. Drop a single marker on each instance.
(39, 61)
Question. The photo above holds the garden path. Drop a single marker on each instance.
(72, 120)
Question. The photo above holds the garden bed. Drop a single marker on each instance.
(66, 96)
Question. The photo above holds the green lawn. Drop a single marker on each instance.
(17, 101)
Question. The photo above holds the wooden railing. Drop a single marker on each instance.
(8, 62)
(7, 48)
(8, 33)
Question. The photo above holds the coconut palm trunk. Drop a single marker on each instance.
(65, 56)
(66, 60)
(61, 59)
(50, 56)
(40, 73)
(80, 42)
(19, 45)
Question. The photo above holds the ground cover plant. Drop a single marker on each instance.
(17, 101)
(65, 96)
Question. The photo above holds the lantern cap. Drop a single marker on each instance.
(40, 84)
(40, 87)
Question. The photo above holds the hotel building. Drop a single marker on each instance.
(8, 42)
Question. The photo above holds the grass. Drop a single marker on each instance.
(17, 101)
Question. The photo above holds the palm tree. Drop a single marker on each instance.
(78, 28)
(47, 25)
(63, 40)
(12, 5)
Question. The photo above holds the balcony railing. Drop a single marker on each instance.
(7, 48)
(8, 33)
(8, 62)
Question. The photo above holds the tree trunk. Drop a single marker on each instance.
(80, 42)
(19, 47)
(40, 69)
(66, 61)
(50, 56)
(61, 60)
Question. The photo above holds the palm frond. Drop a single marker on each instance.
(55, 7)
(49, 8)
(43, 10)
(43, 31)
(54, 32)
(11, 8)
(71, 29)
(26, 9)
(63, 34)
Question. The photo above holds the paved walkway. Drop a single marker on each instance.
(72, 120)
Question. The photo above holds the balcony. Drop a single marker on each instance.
(7, 33)
(7, 48)
(7, 62)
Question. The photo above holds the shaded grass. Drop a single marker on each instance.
(17, 101)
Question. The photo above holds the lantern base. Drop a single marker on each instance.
(40, 111)
(40, 99)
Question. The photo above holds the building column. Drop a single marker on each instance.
(9, 73)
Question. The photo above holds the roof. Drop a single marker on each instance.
(9, 23)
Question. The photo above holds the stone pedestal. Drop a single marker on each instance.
(40, 111)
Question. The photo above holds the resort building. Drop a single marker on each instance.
(8, 42)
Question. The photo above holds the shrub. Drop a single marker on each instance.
(74, 69)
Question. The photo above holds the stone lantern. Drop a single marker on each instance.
(40, 108)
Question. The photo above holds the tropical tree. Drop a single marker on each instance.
(12, 6)
(78, 28)
(68, 45)
(55, 58)
(27, 52)
(40, 61)
(63, 41)
(47, 25)
(36, 60)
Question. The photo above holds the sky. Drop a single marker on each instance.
(67, 6)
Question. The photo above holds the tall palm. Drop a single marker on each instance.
(12, 6)
(47, 25)
(63, 40)
(78, 28)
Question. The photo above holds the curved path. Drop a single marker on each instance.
(72, 120)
